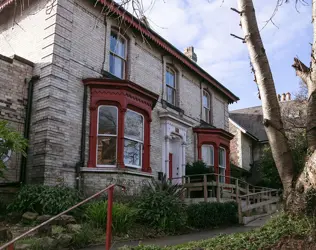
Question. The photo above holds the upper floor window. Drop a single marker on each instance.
(208, 155)
(133, 139)
(206, 115)
(107, 135)
(171, 85)
(222, 164)
(117, 55)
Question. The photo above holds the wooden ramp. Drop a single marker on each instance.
(252, 201)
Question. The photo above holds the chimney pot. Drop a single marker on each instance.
(288, 96)
(279, 97)
(283, 97)
(189, 52)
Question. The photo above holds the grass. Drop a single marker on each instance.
(262, 238)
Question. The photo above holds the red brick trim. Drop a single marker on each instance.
(124, 95)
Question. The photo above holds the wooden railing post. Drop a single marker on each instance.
(239, 212)
(188, 189)
(218, 191)
(205, 188)
(247, 198)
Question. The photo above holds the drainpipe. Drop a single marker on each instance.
(27, 123)
(83, 138)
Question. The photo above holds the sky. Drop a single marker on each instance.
(207, 24)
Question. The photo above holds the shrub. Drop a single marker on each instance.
(87, 235)
(161, 207)
(44, 199)
(208, 215)
(123, 216)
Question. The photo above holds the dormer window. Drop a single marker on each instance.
(117, 55)
(171, 85)
(207, 112)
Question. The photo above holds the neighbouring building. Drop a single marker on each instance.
(250, 137)
(112, 100)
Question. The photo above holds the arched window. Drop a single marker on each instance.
(107, 136)
(117, 55)
(207, 112)
(171, 85)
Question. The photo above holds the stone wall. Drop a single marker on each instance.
(235, 145)
(13, 99)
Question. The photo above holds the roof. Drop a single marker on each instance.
(160, 41)
(251, 118)
(243, 130)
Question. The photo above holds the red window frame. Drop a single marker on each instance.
(124, 95)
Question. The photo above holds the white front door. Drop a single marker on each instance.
(176, 162)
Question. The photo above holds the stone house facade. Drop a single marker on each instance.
(114, 101)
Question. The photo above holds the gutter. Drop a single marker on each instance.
(83, 138)
(27, 123)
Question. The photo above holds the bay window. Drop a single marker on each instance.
(106, 135)
(208, 155)
(222, 164)
(117, 55)
(133, 139)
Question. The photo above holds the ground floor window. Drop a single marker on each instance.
(222, 164)
(208, 155)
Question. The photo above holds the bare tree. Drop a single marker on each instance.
(294, 188)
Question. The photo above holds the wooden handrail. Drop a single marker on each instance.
(262, 192)
(110, 188)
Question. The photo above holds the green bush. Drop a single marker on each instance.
(160, 206)
(44, 199)
(208, 215)
(87, 235)
(123, 216)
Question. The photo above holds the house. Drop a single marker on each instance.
(250, 137)
(112, 100)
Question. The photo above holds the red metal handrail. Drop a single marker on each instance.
(110, 189)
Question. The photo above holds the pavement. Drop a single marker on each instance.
(180, 239)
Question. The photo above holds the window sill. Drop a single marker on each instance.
(169, 105)
(202, 122)
(108, 75)
(115, 171)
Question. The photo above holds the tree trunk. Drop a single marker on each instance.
(294, 190)
(270, 105)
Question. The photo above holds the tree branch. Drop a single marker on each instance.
(238, 37)
(301, 70)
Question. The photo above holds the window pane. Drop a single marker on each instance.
(222, 175)
(107, 120)
(170, 79)
(134, 125)
(117, 45)
(106, 150)
(206, 115)
(116, 66)
(206, 101)
(208, 155)
(132, 153)
(222, 158)
(170, 95)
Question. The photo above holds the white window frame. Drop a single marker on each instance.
(119, 36)
(208, 108)
(222, 167)
(208, 146)
(171, 70)
(108, 135)
(132, 139)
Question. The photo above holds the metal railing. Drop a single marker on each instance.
(108, 237)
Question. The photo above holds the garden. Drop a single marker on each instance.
(156, 211)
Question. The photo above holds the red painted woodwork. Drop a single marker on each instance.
(124, 95)
(217, 138)
(170, 166)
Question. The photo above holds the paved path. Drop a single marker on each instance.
(180, 239)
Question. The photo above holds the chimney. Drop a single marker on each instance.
(189, 52)
(288, 96)
(283, 97)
